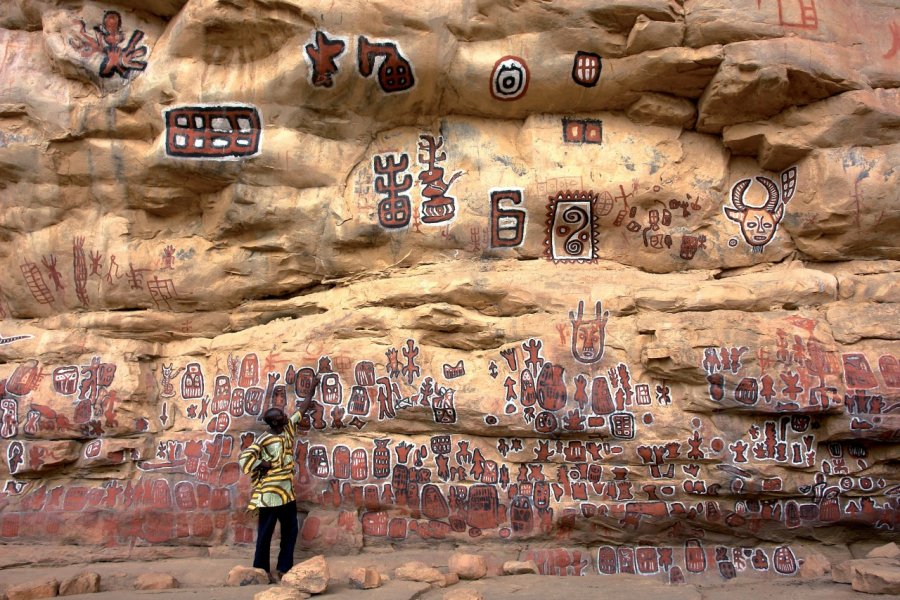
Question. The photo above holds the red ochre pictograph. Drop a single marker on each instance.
(213, 132)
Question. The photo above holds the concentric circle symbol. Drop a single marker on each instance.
(509, 79)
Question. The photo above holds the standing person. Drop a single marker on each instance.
(270, 463)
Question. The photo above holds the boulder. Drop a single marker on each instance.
(54, 454)
(845, 572)
(241, 575)
(814, 564)
(463, 594)
(83, 583)
(842, 572)
(468, 566)
(876, 578)
(519, 567)
(33, 590)
(365, 578)
(887, 551)
(310, 576)
(418, 571)
(281, 593)
(155, 581)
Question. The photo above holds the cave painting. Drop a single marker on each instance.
(13, 338)
(660, 226)
(321, 53)
(137, 277)
(15, 457)
(34, 279)
(509, 78)
(894, 28)
(800, 14)
(694, 558)
(452, 484)
(455, 481)
(213, 132)
(586, 69)
(391, 179)
(657, 225)
(588, 334)
(760, 222)
(806, 384)
(582, 131)
(609, 404)
(395, 210)
(571, 227)
(25, 378)
(395, 73)
(611, 471)
(507, 225)
(437, 206)
(86, 386)
(105, 40)
(9, 418)
(168, 374)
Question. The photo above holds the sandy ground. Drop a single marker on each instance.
(202, 573)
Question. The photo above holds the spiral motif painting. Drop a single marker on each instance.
(571, 232)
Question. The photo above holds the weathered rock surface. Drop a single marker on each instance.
(862, 117)
(311, 576)
(418, 571)
(463, 594)
(365, 578)
(241, 575)
(873, 578)
(846, 571)
(468, 566)
(515, 567)
(155, 581)
(614, 284)
(281, 593)
(83, 583)
(33, 590)
(814, 565)
(448, 579)
(887, 551)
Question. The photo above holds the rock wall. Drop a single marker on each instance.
(615, 282)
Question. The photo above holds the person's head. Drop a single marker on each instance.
(276, 419)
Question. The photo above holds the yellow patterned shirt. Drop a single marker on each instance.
(274, 487)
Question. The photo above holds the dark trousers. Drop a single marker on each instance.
(286, 515)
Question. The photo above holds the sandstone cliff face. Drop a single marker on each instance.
(614, 281)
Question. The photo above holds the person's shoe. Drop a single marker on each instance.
(279, 575)
(273, 578)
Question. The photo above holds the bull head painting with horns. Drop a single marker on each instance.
(588, 334)
(759, 223)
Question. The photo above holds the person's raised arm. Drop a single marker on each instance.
(304, 404)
